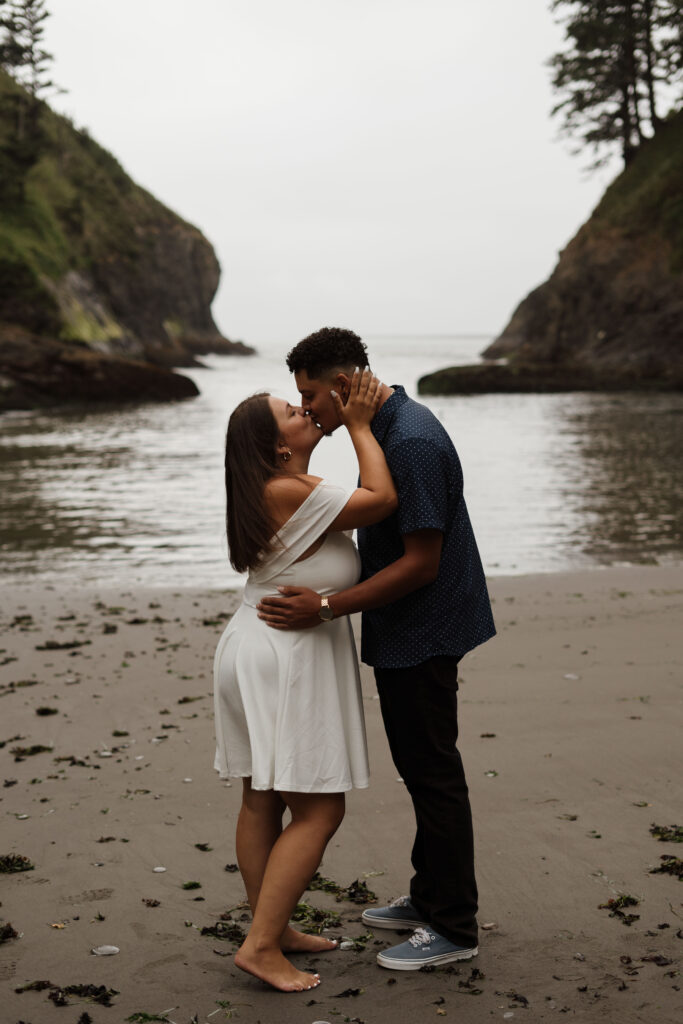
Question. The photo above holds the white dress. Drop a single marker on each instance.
(288, 704)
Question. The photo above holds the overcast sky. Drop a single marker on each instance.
(385, 165)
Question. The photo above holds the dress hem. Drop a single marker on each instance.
(297, 789)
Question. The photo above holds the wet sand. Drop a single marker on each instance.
(570, 731)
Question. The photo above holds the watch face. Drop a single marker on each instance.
(326, 613)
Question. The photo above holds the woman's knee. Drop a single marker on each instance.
(337, 813)
(263, 802)
(324, 811)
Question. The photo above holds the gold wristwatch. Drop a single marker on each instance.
(325, 612)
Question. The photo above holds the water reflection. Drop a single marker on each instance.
(109, 495)
(553, 482)
(631, 452)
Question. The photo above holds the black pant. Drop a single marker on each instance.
(420, 712)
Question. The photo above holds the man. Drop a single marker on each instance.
(425, 605)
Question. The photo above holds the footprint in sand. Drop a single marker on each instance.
(88, 896)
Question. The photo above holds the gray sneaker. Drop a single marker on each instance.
(399, 914)
(422, 949)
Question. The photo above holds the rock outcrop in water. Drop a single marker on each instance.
(611, 314)
(102, 288)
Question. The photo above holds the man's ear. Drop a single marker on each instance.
(342, 384)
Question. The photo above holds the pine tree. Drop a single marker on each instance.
(11, 49)
(671, 55)
(22, 50)
(23, 56)
(621, 56)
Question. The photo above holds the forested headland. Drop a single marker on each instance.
(102, 288)
(611, 314)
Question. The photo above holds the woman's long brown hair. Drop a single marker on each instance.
(250, 461)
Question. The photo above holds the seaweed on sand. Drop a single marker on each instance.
(141, 1017)
(35, 986)
(21, 752)
(514, 997)
(6, 688)
(217, 619)
(7, 932)
(667, 833)
(225, 930)
(469, 986)
(75, 762)
(617, 906)
(97, 993)
(320, 884)
(670, 866)
(13, 862)
(356, 892)
(314, 919)
(12, 739)
(657, 958)
(54, 645)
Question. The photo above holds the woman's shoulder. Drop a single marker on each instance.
(287, 483)
(284, 494)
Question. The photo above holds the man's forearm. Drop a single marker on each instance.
(388, 585)
(299, 607)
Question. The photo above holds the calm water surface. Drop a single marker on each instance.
(553, 482)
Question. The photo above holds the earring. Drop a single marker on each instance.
(286, 455)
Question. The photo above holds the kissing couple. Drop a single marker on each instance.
(288, 705)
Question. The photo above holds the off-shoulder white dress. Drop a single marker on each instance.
(288, 705)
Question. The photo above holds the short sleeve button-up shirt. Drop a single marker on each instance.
(452, 614)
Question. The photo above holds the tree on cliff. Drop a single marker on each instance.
(623, 59)
(11, 49)
(21, 49)
(23, 57)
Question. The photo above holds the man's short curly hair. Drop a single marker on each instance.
(326, 350)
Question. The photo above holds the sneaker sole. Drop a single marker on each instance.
(395, 924)
(431, 961)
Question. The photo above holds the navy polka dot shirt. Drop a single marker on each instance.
(453, 614)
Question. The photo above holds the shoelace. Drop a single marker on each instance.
(421, 937)
(400, 901)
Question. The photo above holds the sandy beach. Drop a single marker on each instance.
(570, 732)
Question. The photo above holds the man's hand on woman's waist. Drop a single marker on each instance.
(297, 608)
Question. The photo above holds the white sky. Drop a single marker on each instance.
(385, 165)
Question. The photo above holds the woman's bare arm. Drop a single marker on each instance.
(376, 497)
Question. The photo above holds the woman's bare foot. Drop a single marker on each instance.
(293, 941)
(272, 967)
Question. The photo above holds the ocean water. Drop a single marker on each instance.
(120, 496)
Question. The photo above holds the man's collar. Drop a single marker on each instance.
(386, 413)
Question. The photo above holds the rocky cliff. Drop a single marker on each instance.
(99, 282)
(611, 314)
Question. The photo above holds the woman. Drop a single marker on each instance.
(288, 706)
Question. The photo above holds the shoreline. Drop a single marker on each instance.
(581, 692)
(23, 585)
